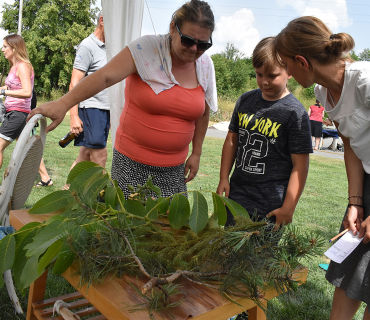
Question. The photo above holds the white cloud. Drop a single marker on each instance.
(334, 13)
(237, 29)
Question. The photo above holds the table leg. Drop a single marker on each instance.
(256, 313)
(36, 293)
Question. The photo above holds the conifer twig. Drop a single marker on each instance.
(154, 281)
(137, 260)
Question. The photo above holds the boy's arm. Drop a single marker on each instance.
(227, 161)
(296, 184)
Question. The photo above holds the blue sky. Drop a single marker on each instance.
(245, 22)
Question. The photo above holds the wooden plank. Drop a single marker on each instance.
(51, 301)
(115, 297)
(100, 317)
(22, 217)
(80, 313)
(257, 313)
(36, 293)
(71, 305)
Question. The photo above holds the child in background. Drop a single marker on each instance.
(269, 140)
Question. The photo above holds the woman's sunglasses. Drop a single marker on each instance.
(188, 42)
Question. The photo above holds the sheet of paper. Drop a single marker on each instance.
(343, 247)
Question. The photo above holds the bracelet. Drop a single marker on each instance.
(355, 205)
(362, 198)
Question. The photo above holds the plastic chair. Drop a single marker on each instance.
(19, 178)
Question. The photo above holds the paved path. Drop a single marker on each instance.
(211, 132)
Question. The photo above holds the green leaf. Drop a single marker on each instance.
(98, 183)
(111, 197)
(29, 273)
(150, 204)
(22, 233)
(7, 253)
(219, 209)
(199, 213)
(49, 255)
(44, 239)
(52, 202)
(20, 254)
(157, 190)
(57, 217)
(84, 179)
(179, 211)
(89, 183)
(164, 204)
(79, 168)
(135, 207)
(121, 197)
(64, 259)
(235, 208)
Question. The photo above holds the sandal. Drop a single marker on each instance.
(44, 184)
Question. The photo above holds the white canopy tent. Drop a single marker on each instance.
(122, 25)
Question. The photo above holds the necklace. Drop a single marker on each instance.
(331, 99)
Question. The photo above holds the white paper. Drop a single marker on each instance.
(343, 247)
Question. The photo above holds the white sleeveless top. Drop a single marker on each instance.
(352, 111)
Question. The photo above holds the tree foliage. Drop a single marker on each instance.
(364, 55)
(233, 71)
(51, 29)
(353, 55)
(161, 240)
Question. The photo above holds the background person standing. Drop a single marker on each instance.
(17, 90)
(316, 113)
(90, 119)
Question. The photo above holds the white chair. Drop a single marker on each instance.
(19, 178)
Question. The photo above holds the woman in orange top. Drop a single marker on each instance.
(169, 89)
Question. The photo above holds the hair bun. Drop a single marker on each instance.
(338, 44)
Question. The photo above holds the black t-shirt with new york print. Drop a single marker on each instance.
(268, 133)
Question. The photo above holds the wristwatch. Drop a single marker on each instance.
(2, 92)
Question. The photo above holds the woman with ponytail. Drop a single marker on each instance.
(313, 54)
(17, 90)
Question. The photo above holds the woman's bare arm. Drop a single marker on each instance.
(119, 68)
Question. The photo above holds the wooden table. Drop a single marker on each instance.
(115, 296)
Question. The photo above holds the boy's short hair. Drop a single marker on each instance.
(263, 55)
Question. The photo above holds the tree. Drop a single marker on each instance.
(353, 55)
(51, 29)
(364, 55)
(232, 53)
(233, 71)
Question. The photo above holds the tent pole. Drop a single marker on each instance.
(20, 17)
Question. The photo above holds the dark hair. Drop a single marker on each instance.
(197, 12)
(263, 55)
(311, 38)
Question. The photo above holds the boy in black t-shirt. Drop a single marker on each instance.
(269, 140)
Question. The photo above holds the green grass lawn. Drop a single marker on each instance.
(319, 211)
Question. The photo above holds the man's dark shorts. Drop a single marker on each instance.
(14, 122)
(96, 125)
